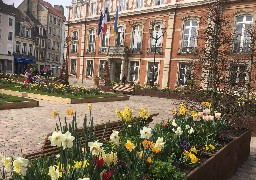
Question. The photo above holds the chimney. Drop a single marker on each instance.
(59, 8)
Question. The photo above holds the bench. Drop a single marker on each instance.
(99, 130)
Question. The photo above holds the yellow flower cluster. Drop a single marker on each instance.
(80, 164)
(207, 104)
(183, 109)
(144, 113)
(209, 147)
(70, 112)
(129, 145)
(109, 158)
(191, 155)
(194, 114)
(126, 115)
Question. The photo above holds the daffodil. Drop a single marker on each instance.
(67, 140)
(56, 138)
(95, 147)
(114, 138)
(54, 173)
(193, 158)
(7, 163)
(159, 143)
(109, 158)
(90, 107)
(70, 112)
(149, 160)
(20, 166)
(129, 145)
(54, 114)
(146, 133)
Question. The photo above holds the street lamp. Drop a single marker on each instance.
(155, 28)
(68, 42)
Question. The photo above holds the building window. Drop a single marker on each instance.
(122, 4)
(134, 71)
(91, 40)
(9, 66)
(24, 48)
(59, 32)
(37, 42)
(136, 38)
(49, 56)
(189, 36)
(89, 68)
(74, 47)
(73, 66)
(0, 18)
(104, 42)
(53, 31)
(76, 12)
(184, 73)
(53, 45)
(10, 36)
(10, 21)
(139, 4)
(30, 49)
(58, 45)
(93, 9)
(159, 2)
(150, 72)
(107, 5)
(43, 43)
(27, 32)
(120, 36)
(55, 20)
(10, 49)
(0, 33)
(75, 35)
(156, 46)
(50, 30)
(237, 74)
(42, 55)
(101, 67)
(50, 18)
(49, 44)
(17, 47)
(242, 33)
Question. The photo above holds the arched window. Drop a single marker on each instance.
(189, 36)
(242, 33)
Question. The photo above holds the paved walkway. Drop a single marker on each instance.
(26, 129)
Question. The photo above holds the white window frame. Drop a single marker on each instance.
(244, 38)
(239, 71)
(11, 36)
(24, 48)
(137, 33)
(120, 36)
(30, 49)
(108, 5)
(93, 9)
(157, 65)
(136, 67)
(73, 66)
(188, 32)
(159, 2)
(76, 12)
(183, 78)
(159, 43)
(10, 21)
(74, 48)
(105, 41)
(139, 4)
(101, 67)
(18, 44)
(42, 43)
(75, 35)
(89, 72)
(91, 41)
(122, 5)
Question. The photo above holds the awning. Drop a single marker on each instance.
(28, 61)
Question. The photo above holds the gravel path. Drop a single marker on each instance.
(26, 129)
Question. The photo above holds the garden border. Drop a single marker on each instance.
(225, 162)
(19, 105)
(64, 100)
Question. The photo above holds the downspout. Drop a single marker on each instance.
(169, 74)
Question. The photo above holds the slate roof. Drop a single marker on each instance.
(51, 9)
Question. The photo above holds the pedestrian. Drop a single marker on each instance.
(123, 79)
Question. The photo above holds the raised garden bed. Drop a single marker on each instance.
(18, 105)
(65, 100)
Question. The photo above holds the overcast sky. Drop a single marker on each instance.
(64, 3)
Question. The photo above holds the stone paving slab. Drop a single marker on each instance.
(26, 129)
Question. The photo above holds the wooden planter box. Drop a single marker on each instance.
(225, 162)
(140, 92)
(18, 105)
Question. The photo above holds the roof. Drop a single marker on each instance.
(11, 10)
(51, 9)
(33, 19)
(6, 9)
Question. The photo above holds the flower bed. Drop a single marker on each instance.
(135, 151)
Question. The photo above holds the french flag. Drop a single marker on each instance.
(105, 20)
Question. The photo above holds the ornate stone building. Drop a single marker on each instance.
(134, 48)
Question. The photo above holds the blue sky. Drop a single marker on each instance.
(64, 3)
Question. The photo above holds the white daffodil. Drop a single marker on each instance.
(7, 163)
(178, 131)
(20, 166)
(174, 123)
(95, 147)
(217, 115)
(146, 133)
(159, 143)
(84, 179)
(67, 140)
(114, 138)
(109, 158)
(56, 138)
(191, 131)
(187, 127)
(54, 173)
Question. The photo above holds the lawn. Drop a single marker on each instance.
(9, 98)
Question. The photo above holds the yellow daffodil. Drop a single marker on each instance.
(212, 146)
(129, 145)
(54, 114)
(90, 107)
(149, 160)
(193, 158)
(194, 150)
(70, 112)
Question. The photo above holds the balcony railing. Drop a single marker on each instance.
(103, 50)
(117, 51)
(188, 50)
(158, 50)
(135, 51)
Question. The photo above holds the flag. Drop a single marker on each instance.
(100, 23)
(105, 21)
(115, 23)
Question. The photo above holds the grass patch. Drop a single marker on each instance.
(9, 98)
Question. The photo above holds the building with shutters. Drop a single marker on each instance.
(132, 50)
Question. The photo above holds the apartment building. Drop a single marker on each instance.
(155, 39)
(7, 30)
(51, 19)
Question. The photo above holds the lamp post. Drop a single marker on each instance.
(155, 28)
(68, 40)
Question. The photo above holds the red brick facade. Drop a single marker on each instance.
(170, 14)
